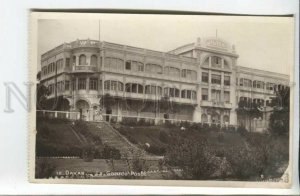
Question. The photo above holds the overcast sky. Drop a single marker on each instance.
(261, 42)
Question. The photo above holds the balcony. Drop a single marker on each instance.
(84, 68)
(215, 104)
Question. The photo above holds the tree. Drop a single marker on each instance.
(279, 119)
(41, 96)
(194, 157)
(248, 110)
(108, 101)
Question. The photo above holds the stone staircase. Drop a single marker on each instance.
(113, 138)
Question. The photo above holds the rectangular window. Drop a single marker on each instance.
(159, 90)
(215, 95)
(241, 82)
(226, 96)
(183, 73)
(215, 79)
(120, 86)
(270, 86)
(67, 63)
(67, 85)
(166, 91)
(134, 88)
(107, 85)
(188, 94)
(205, 77)
(227, 80)
(204, 94)
(177, 93)
(93, 84)
(172, 92)
(82, 84)
(128, 65)
(140, 67)
(153, 90)
(194, 95)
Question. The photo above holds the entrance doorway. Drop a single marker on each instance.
(108, 114)
(83, 107)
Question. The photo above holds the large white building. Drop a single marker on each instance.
(202, 80)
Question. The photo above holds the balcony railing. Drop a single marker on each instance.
(216, 104)
(84, 68)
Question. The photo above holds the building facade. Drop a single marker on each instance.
(202, 80)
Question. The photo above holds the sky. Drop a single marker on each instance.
(264, 43)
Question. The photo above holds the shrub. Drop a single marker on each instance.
(156, 150)
(163, 136)
(88, 153)
(44, 169)
(246, 162)
(220, 137)
(194, 157)
(111, 153)
(129, 121)
(197, 126)
(242, 130)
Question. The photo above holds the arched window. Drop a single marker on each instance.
(216, 62)
(114, 63)
(226, 65)
(154, 68)
(226, 119)
(82, 59)
(171, 92)
(190, 74)
(134, 66)
(134, 88)
(94, 60)
(206, 62)
(151, 89)
(215, 118)
(172, 71)
(204, 118)
(113, 85)
(188, 94)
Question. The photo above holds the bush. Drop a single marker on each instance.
(156, 150)
(129, 121)
(246, 162)
(163, 136)
(194, 157)
(111, 153)
(44, 169)
(242, 130)
(197, 126)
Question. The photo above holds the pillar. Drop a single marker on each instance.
(209, 85)
(197, 114)
(87, 84)
(76, 84)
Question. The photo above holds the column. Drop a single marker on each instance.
(76, 84)
(209, 85)
(222, 85)
(209, 61)
(77, 60)
(87, 84)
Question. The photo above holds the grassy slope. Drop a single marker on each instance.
(59, 133)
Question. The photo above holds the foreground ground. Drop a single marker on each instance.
(193, 153)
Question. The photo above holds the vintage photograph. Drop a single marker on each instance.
(161, 98)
